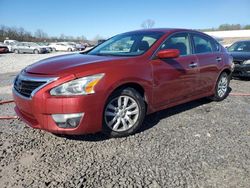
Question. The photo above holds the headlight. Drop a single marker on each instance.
(247, 62)
(81, 86)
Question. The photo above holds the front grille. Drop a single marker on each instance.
(26, 87)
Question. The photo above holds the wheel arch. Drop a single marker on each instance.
(226, 70)
(138, 87)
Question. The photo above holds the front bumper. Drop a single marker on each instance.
(37, 111)
(241, 71)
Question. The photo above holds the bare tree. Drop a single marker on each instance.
(149, 23)
(40, 34)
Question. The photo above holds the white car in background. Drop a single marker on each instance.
(10, 44)
(62, 46)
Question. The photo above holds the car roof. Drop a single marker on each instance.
(165, 30)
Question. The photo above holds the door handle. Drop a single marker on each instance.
(218, 59)
(193, 65)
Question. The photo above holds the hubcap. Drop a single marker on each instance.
(222, 86)
(121, 113)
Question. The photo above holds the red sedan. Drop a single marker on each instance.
(4, 49)
(112, 87)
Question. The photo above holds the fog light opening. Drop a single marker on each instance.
(67, 120)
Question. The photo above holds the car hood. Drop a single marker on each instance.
(240, 55)
(67, 64)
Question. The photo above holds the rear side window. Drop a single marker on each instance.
(216, 47)
(178, 41)
(202, 44)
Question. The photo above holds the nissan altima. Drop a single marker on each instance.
(113, 86)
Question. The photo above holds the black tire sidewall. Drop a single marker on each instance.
(142, 111)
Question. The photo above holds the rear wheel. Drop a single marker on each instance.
(222, 87)
(36, 52)
(124, 113)
(70, 49)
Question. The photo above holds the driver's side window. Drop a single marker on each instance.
(178, 41)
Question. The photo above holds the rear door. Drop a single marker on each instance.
(29, 48)
(175, 79)
(209, 57)
(22, 47)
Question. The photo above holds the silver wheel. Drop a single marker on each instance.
(222, 85)
(121, 113)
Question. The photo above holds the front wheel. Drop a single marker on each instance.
(222, 87)
(124, 113)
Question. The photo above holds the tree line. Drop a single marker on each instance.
(226, 27)
(20, 34)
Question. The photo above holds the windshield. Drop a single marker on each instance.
(240, 47)
(129, 44)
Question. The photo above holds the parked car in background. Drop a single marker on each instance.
(62, 46)
(240, 52)
(77, 46)
(10, 44)
(28, 47)
(3, 48)
(113, 86)
(45, 45)
(80, 47)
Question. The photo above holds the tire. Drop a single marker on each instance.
(53, 49)
(124, 113)
(69, 49)
(36, 51)
(221, 88)
(16, 51)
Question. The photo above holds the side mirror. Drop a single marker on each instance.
(169, 53)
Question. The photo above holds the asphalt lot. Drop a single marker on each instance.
(198, 144)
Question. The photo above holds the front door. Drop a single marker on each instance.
(175, 79)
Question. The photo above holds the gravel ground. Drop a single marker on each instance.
(198, 144)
